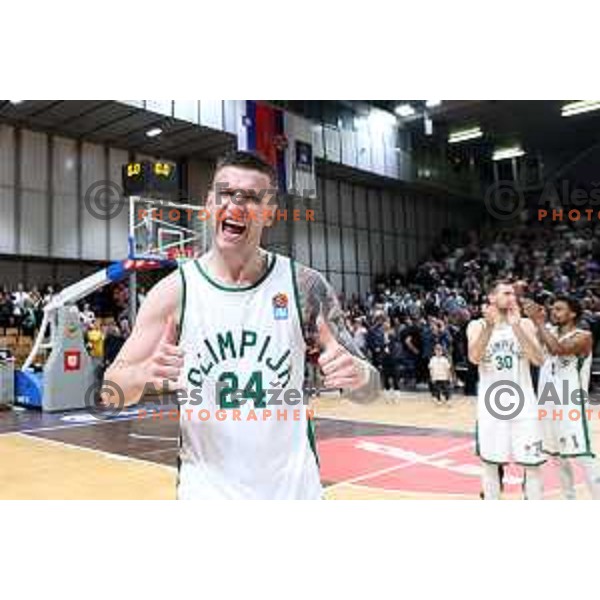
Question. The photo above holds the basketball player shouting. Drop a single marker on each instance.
(243, 317)
(503, 345)
(567, 371)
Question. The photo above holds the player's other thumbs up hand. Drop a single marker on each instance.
(166, 362)
(341, 368)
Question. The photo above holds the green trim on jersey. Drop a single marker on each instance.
(296, 293)
(586, 431)
(478, 449)
(182, 303)
(310, 431)
(226, 288)
(495, 462)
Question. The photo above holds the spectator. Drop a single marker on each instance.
(95, 341)
(6, 311)
(440, 372)
(87, 316)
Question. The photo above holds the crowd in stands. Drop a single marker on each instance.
(103, 316)
(407, 319)
(400, 323)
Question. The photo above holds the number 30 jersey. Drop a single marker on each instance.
(245, 431)
(504, 360)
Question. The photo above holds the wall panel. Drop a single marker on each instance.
(94, 229)
(333, 246)
(7, 221)
(318, 246)
(301, 246)
(119, 224)
(363, 250)
(386, 206)
(348, 245)
(7, 156)
(346, 205)
(374, 208)
(332, 211)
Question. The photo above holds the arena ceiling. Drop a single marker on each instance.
(117, 124)
(536, 125)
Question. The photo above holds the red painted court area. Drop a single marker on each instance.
(431, 465)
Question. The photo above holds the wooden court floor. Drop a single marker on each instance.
(401, 446)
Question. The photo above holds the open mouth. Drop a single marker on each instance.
(233, 230)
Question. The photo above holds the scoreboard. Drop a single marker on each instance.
(150, 179)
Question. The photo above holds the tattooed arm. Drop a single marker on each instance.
(341, 361)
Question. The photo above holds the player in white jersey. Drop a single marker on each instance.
(563, 391)
(243, 316)
(503, 345)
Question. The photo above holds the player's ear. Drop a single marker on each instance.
(270, 208)
(210, 199)
(270, 215)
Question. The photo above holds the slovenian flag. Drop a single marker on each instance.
(265, 127)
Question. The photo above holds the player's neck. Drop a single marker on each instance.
(566, 328)
(502, 316)
(237, 269)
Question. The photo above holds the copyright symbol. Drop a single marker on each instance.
(504, 201)
(104, 199)
(100, 410)
(504, 409)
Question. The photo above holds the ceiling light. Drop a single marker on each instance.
(154, 132)
(405, 110)
(505, 153)
(464, 135)
(432, 103)
(15, 102)
(581, 106)
(428, 125)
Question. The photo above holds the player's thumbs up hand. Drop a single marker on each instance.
(326, 337)
(340, 368)
(166, 362)
(169, 335)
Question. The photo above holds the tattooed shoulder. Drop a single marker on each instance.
(317, 297)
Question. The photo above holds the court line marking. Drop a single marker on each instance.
(162, 438)
(360, 421)
(401, 466)
(104, 453)
(75, 425)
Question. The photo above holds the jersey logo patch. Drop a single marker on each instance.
(280, 306)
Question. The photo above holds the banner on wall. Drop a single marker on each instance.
(285, 142)
(265, 135)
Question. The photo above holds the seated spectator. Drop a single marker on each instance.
(6, 311)
(95, 341)
(87, 316)
(29, 322)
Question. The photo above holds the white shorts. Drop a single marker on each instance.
(515, 440)
(565, 435)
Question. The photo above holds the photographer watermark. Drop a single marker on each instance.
(505, 400)
(105, 199)
(504, 201)
(558, 201)
(106, 400)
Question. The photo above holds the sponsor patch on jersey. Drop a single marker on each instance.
(280, 306)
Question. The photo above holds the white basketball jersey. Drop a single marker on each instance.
(566, 373)
(242, 442)
(504, 360)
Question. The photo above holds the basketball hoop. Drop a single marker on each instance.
(162, 230)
